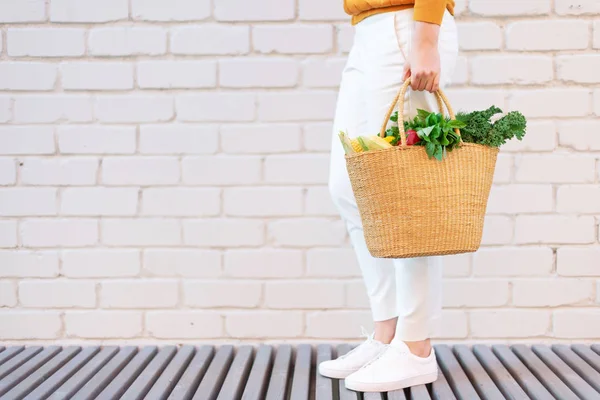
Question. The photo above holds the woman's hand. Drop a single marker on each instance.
(424, 64)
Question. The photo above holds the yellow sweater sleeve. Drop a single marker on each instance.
(431, 11)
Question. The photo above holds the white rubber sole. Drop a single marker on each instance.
(334, 373)
(390, 386)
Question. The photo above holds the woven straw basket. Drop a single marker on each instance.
(413, 206)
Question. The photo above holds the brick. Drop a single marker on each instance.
(476, 99)
(179, 74)
(318, 202)
(184, 325)
(297, 169)
(53, 108)
(541, 136)
(232, 170)
(140, 170)
(315, 10)
(356, 295)
(578, 68)
(182, 263)
(569, 324)
(455, 323)
(296, 106)
(59, 171)
(8, 234)
(580, 135)
(340, 262)
(127, 41)
(28, 264)
(100, 263)
(19, 324)
(518, 69)
(292, 39)
(136, 293)
(264, 324)
(260, 138)
(263, 263)
(337, 324)
(323, 73)
(513, 261)
(460, 6)
(516, 199)
(170, 10)
(504, 168)
(93, 139)
(5, 107)
(259, 10)
(8, 294)
(134, 108)
(28, 201)
(225, 40)
(458, 265)
(497, 230)
(45, 42)
(258, 72)
(552, 292)
(492, 8)
(88, 10)
(192, 202)
(22, 11)
(307, 232)
(210, 294)
(584, 7)
(59, 232)
(294, 294)
(555, 229)
(141, 232)
(596, 35)
(318, 137)
(84, 75)
(263, 201)
(475, 293)
(509, 323)
(547, 35)
(578, 199)
(344, 37)
(57, 294)
(479, 36)
(99, 201)
(578, 261)
(225, 107)
(178, 139)
(98, 324)
(8, 171)
(555, 168)
(461, 71)
(219, 232)
(27, 75)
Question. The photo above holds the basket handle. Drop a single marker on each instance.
(399, 99)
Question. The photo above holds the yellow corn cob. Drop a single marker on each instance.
(356, 146)
(389, 139)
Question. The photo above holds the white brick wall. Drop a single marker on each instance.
(163, 172)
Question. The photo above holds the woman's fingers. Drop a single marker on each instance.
(428, 81)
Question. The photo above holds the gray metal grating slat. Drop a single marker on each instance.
(284, 372)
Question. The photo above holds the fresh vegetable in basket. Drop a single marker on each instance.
(363, 143)
(480, 130)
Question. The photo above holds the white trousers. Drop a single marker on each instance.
(410, 289)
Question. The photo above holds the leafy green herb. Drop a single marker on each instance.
(436, 132)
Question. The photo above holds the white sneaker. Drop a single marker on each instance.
(397, 368)
(353, 360)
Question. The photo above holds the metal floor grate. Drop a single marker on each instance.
(286, 372)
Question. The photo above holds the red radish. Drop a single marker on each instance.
(412, 137)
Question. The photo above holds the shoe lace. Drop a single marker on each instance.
(365, 334)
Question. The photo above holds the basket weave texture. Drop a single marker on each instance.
(413, 206)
